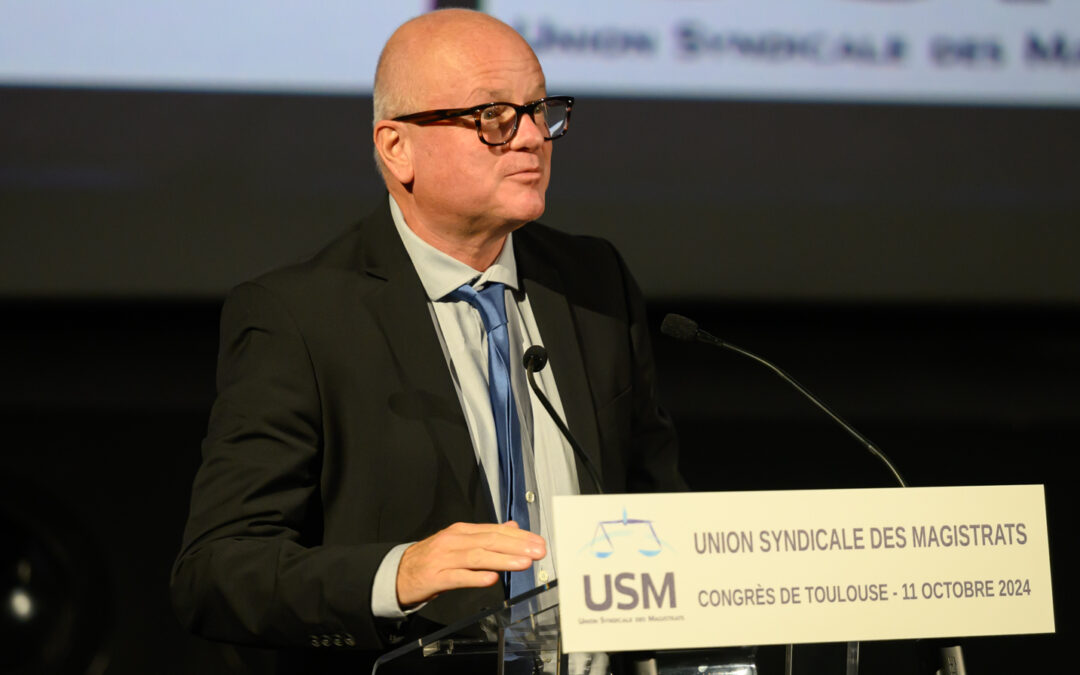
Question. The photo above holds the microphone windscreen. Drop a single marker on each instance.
(679, 327)
(535, 358)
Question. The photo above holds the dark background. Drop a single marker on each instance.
(914, 266)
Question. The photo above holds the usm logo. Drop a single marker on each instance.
(621, 540)
(626, 588)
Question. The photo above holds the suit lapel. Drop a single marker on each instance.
(399, 306)
(543, 285)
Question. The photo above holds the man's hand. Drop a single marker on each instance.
(464, 555)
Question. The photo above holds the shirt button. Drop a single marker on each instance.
(543, 576)
(530, 496)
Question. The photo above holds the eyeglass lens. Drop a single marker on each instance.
(497, 121)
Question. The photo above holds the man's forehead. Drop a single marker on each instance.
(487, 94)
(457, 68)
(515, 77)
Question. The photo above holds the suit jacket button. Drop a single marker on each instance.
(349, 640)
(314, 640)
(325, 640)
(337, 640)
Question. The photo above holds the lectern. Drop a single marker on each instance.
(522, 637)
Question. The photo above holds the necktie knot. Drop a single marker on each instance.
(489, 301)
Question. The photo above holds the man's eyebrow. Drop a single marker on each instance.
(485, 96)
(481, 96)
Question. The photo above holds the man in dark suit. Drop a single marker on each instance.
(361, 479)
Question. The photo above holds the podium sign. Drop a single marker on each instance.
(689, 570)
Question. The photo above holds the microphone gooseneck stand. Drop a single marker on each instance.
(534, 360)
(682, 328)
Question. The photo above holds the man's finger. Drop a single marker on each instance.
(482, 559)
(509, 529)
(469, 579)
(500, 543)
(505, 538)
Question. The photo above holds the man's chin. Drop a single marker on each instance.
(525, 209)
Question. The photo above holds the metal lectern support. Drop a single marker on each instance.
(852, 658)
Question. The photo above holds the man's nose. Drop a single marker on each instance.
(529, 135)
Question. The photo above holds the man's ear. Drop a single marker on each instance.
(393, 147)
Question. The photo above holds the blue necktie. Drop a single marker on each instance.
(491, 304)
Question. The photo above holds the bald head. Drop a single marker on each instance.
(421, 50)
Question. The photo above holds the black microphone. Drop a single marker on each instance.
(534, 360)
(682, 328)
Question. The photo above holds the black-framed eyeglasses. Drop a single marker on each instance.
(496, 123)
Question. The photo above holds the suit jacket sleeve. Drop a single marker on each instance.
(252, 569)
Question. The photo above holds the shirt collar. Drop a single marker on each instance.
(440, 273)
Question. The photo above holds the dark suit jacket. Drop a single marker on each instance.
(337, 432)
